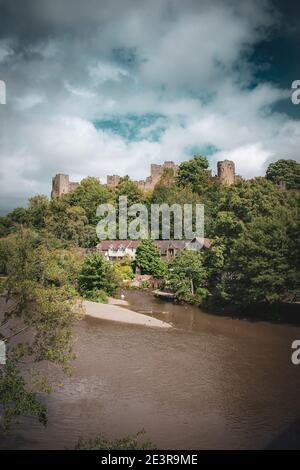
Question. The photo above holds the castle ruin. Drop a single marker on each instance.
(156, 172)
(62, 185)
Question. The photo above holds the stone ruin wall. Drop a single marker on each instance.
(61, 184)
(156, 173)
(226, 175)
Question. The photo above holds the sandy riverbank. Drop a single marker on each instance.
(116, 313)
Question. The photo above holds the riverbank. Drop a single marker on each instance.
(116, 313)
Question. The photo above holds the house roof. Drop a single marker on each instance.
(163, 245)
(105, 245)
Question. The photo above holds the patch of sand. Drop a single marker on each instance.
(122, 315)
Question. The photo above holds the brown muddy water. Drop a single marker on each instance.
(210, 382)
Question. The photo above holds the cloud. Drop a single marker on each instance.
(103, 87)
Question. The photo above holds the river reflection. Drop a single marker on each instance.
(209, 382)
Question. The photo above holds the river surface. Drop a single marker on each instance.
(210, 382)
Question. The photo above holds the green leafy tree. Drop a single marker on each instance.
(188, 275)
(129, 188)
(124, 269)
(38, 209)
(253, 198)
(214, 260)
(194, 172)
(285, 171)
(260, 268)
(5, 226)
(70, 224)
(97, 274)
(38, 312)
(148, 259)
(89, 195)
(19, 216)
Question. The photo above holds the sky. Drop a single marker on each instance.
(110, 86)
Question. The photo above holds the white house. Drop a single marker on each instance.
(115, 250)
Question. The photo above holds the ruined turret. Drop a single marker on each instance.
(61, 184)
(112, 181)
(226, 172)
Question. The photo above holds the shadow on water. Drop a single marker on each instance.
(288, 439)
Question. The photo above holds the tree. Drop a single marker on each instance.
(252, 198)
(187, 275)
(88, 195)
(124, 269)
(129, 188)
(97, 274)
(285, 171)
(227, 227)
(36, 320)
(38, 209)
(148, 260)
(195, 173)
(5, 226)
(214, 260)
(71, 225)
(19, 216)
(259, 269)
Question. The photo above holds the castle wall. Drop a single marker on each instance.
(62, 185)
(149, 183)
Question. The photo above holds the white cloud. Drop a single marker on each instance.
(104, 72)
(188, 62)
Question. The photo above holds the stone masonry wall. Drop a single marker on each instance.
(62, 185)
(226, 172)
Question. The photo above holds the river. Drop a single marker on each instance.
(210, 382)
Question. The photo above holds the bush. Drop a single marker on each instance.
(124, 269)
(96, 295)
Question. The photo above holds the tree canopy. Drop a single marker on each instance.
(148, 259)
(285, 171)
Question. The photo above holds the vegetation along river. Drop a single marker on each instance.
(209, 382)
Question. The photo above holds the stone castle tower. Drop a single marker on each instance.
(61, 184)
(112, 181)
(226, 172)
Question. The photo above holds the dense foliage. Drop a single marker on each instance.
(148, 259)
(38, 310)
(97, 278)
(285, 171)
(187, 276)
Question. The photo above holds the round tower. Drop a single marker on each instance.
(226, 172)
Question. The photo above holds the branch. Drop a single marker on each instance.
(17, 333)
